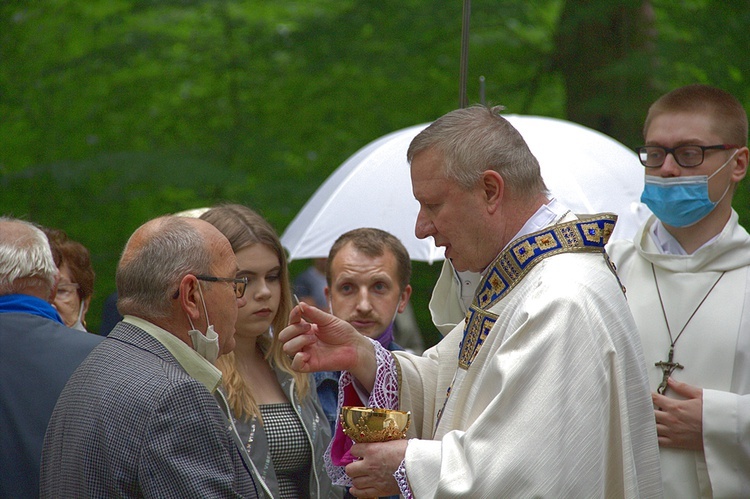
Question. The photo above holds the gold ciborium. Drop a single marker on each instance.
(370, 424)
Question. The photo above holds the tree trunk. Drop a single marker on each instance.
(604, 53)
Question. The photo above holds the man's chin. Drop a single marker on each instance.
(458, 265)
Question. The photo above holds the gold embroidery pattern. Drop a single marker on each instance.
(587, 235)
(478, 326)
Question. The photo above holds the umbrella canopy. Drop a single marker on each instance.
(588, 171)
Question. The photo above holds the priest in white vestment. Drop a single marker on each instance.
(541, 391)
(687, 275)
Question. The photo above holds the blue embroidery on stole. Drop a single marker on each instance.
(511, 266)
(589, 234)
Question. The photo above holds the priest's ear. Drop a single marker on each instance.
(493, 188)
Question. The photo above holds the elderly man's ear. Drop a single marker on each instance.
(190, 297)
(53, 291)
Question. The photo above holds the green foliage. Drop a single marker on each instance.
(113, 112)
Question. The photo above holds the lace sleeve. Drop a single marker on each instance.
(403, 481)
(385, 390)
(384, 395)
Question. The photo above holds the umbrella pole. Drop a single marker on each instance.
(462, 98)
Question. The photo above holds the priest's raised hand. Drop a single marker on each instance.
(319, 341)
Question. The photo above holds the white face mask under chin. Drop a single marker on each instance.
(207, 345)
(79, 322)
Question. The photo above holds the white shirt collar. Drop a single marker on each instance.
(545, 216)
(195, 365)
(666, 242)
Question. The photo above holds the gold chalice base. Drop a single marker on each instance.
(368, 424)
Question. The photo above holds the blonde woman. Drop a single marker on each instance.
(275, 409)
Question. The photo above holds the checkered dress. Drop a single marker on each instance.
(289, 448)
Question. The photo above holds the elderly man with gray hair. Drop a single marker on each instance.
(142, 417)
(38, 353)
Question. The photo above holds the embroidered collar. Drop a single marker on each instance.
(587, 235)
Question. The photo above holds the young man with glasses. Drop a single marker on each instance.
(687, 275)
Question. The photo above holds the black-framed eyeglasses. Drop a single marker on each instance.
(239, 283)
(687, 156)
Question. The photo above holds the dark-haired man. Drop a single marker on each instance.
(367, 275)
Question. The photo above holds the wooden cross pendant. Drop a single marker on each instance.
(668, 367)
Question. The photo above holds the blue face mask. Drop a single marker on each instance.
(681, 201)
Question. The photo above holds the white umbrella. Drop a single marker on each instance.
(588, 171)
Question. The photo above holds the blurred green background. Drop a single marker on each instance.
(113, 112)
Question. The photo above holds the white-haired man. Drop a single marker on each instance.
(38, 353)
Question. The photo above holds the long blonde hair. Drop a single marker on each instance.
(244, 227)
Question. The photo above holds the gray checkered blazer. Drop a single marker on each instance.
(132, 423)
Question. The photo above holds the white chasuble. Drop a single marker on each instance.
(711, 348)
(540, 393)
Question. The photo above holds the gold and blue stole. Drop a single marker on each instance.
(586, 235)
